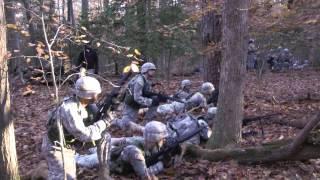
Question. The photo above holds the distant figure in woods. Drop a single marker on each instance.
(252, 57)
(88, 59)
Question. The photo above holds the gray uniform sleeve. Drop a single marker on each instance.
(73, 122)
(138, 87)
(206, 132)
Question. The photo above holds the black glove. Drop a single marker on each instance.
(155, 101)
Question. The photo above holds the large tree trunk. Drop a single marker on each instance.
(8, 158)
(211, 31)
(70, 17)
(227, 128)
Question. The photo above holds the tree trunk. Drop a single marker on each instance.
(31, 28)
(52, 6)
(70, 17)
(13, 38)
(227, 128)
(211, 31)
(8, 158)
(63, 11)
(85, 10)
(105, 4)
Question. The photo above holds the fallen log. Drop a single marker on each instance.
(248, 120)
(296, 123)
(294, 149)
(253, 155)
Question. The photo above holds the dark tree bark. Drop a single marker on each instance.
(8, 157)
(70, 17)
(211, 32)
(13, 39)
(52, 6)
(105, 4)
(31, 28)
(85, 10)
(227, 128)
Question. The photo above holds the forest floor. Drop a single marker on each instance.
(294, 94)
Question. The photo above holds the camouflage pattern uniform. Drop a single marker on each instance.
(184, 123)
(285, 59)
(170, 110)
(131, 152)
(136, 97)
(136, 86)
(252, 58)
(197, 100)
(73, 117)
(184, 91)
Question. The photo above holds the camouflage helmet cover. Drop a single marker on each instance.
(147, 66)
(207, 88)
(185, 83)
(87, 87)
(155, 131)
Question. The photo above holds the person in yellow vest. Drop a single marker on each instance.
(133, 68)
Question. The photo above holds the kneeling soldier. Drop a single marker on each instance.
(73, 116)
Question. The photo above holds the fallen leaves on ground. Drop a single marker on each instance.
(294, 94)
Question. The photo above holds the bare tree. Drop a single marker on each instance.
(227, 128)
(8, 157)
(26, 4)
(13, 40)
(211, 31)
(105, 4)
(70, 17)
(85, 10)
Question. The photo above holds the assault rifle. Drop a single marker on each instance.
(162, 97)
(170, 146)
(108, 101)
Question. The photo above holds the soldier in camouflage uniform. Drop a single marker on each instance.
(136, 98)
(184, 123)
(185, 90)
(171, 110)
(285, 58)
(207, 89)
(252, 57)
(131, 152)
(73, 116)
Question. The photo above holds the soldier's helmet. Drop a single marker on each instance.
(207, 88)
(196, 101)
(169, 109)
(185, 83)
(147, 67)
(286, 50)
(87, 87)
(155, 131)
